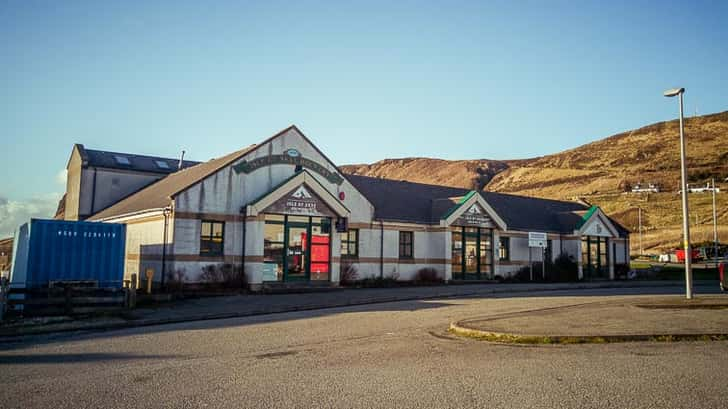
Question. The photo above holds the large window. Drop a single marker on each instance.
(595, 257)
(296, 248)
(406, 243)
(350, 243)
(504, 249)
(212, 238)
(471, 253)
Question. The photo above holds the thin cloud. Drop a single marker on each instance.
(14, 213)
(61, 177)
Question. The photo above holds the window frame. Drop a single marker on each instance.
(504, 252)
(410, 246)
(210, 238)
(349, 242)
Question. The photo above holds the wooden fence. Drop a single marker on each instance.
(65, 301)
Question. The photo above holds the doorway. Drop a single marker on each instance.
(471, 256)
(289, 254)
(595, 257)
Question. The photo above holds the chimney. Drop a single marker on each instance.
(181, 160)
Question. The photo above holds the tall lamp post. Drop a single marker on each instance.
(683, 179)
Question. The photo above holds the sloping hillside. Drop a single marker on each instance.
(602, 172)
(469, 174)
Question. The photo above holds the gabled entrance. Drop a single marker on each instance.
(471, 222)
(596, 232)
(299, 215)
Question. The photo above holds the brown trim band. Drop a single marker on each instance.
(147, 219)
(514, 263)
(218, 217)
(194, 258)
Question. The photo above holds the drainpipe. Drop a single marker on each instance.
(381, 248)
(93, 195)
(166, 212)
(244, 212)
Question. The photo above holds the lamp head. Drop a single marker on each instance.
(673, 92)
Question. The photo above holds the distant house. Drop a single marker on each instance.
(650, 188)
(6, 253)
(703, 189)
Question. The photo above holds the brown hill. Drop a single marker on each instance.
(602, 172)
(469, 174)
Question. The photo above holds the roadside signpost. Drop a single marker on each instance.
(538, 240)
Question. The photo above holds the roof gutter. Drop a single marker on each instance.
(381, 248)
(159, 210)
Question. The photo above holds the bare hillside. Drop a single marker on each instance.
(601, 172)
(469, 174)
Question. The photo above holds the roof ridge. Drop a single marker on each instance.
(138, 155)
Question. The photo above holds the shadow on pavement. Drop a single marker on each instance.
(30, 359)
(229, 306)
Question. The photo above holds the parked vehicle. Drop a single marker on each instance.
(681, 255)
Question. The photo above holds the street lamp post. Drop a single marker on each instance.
(715, 228)
(683, 180)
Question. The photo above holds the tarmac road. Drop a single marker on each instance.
(382, 355)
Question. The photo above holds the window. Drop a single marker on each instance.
(350, 243)
(122, 160)
(405, 244)
(504, 249)
(162, 164)
(212, 237)
(548, 253)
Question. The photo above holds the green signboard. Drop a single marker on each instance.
(291, 157)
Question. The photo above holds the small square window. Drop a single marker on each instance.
(406, 247)
(122, 160)
(350, 243)
(212, 236)
(162, 164)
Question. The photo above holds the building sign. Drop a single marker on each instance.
(597, 229)
(536, 239)
(301, 201)
(474, 216)
(290, 157)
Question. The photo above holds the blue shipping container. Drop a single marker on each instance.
(60, 250)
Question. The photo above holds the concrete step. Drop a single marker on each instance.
(298, 287)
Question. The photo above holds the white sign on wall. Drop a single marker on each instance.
(536, 239)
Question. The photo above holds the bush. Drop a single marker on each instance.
(428, 276)
(621, 270)
(563, 269)
(378, 282)
(348, 274)
(224, 276)
(175, 280)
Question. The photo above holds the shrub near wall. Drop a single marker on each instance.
(223, 276)
(428, 276)
(563, 269)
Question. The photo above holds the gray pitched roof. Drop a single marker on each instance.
(159, 194)
(403, 201)
(141, 163)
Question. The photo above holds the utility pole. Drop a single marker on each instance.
(678, 92)
(715, 227)
(639, 218)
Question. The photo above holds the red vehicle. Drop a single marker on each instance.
(680, 254)
(723, 276)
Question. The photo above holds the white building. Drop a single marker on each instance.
(283, 211)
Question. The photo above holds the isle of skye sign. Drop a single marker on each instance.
(290, 157)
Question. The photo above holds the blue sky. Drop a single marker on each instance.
(365, 80)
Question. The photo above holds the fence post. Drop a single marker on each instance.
(68, 305)
(3, 297)
(131, 292)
